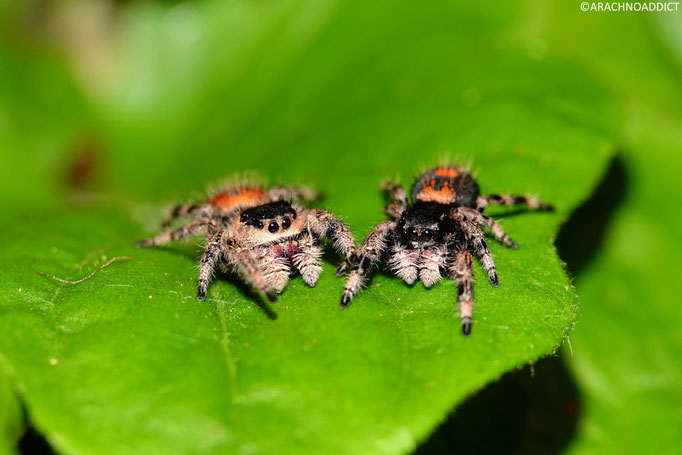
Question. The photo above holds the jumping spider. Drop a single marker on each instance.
(264, 235)
(434, 236)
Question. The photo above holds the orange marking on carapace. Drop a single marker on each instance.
(443, 196)
(250, 196)
(446, 172)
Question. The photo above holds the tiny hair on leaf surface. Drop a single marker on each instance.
(87, 277)
(340, 99)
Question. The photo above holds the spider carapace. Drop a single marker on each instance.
(267, 236)
(434, 236)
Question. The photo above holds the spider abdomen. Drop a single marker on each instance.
(446, 185)
(239, 197)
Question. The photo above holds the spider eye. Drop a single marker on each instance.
(286, 222)
(260, 225)
(427, 234)
(273, 227)
(413, 233)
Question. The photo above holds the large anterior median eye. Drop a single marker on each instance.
(286, 222)
(412, 232)
(427, 234)
(273, 226)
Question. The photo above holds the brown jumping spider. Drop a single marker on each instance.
(264, 235)
(434, 235)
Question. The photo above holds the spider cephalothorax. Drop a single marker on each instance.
(434, 236)
(264, 235)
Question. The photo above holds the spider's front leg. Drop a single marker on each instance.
(369, 252)
(432, 261)
(192, 229)
(275, 265)
(462, 270)
(306, 256)
(403, 262)
(397, 199)
(245, 261)
(531, 202)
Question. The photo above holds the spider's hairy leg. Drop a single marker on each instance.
(275, 266)
(324, 224)
(397, 199)
(461, 269)
(245, 261)
(505, 199)
(403, 263)
(475, 236)
(189, 230)
(306, 257)
(212, 254)
(369, 252)
(431, 263)
(182, 210)
(293, 194)
(482, 220)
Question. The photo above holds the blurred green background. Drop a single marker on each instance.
(111, 110)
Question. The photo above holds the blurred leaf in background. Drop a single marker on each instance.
(627, 349)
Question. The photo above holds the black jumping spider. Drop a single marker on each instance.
(434, 236)
(264, 235)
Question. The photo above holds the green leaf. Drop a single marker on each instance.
(340, 98)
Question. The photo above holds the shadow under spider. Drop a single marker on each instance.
(581, 237)
(221, 273)
(246, 291)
